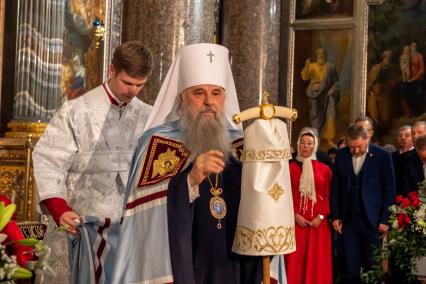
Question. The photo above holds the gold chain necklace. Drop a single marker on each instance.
(217, 204)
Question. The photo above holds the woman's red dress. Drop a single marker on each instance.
(311, 262)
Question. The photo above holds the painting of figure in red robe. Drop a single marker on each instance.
(396, 87)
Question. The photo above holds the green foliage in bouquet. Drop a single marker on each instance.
(406, 240)
(422, 191)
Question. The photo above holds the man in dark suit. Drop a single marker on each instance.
(412, 164)
(418, 129)
(415, 165)
(363, 187)
(405, 145)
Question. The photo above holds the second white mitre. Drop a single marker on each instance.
(265, 218)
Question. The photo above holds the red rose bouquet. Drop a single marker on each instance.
(406, 239)
(13, 247)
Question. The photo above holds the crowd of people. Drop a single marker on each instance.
(365, 179)
(151, 195)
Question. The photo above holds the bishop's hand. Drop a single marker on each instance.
(207, 163)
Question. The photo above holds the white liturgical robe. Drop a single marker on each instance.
(84, 158)
(85, 153)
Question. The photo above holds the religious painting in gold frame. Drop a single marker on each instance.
(395, 85)
(320, 9)
(92, 31)
(73, 41)
(82, 51)
(353, 31)
(322, 81)
(16, 176)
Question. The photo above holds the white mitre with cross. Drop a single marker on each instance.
(195, 64)
(266, 218)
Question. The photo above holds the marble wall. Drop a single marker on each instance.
(2, 10)
(251, 31)
(164, 26)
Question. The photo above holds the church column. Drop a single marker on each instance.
(39, 58)
(39, 47)
(2, 10)
(251, 31)
(164, 26)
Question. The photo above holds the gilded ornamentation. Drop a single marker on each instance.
(265, 98)
(276, 191)
(16, 176)
(12, 186)
(293, 115)
(274, 240)
(218, 209)
(266, 155)
(217, 203)
(99, 31)
(33, 230)
(165, 163)
(174, 156)
(237, 147)
(236, 118)
(12, 156)
(25, 129)
(267, 110)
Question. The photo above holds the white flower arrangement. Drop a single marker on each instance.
(8, 264)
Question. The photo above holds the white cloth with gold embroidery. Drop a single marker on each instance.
(265, 218)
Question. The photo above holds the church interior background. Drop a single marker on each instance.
(55, 50)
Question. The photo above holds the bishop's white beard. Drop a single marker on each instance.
(201, 135)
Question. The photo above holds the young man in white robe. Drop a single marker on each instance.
(81, 163)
